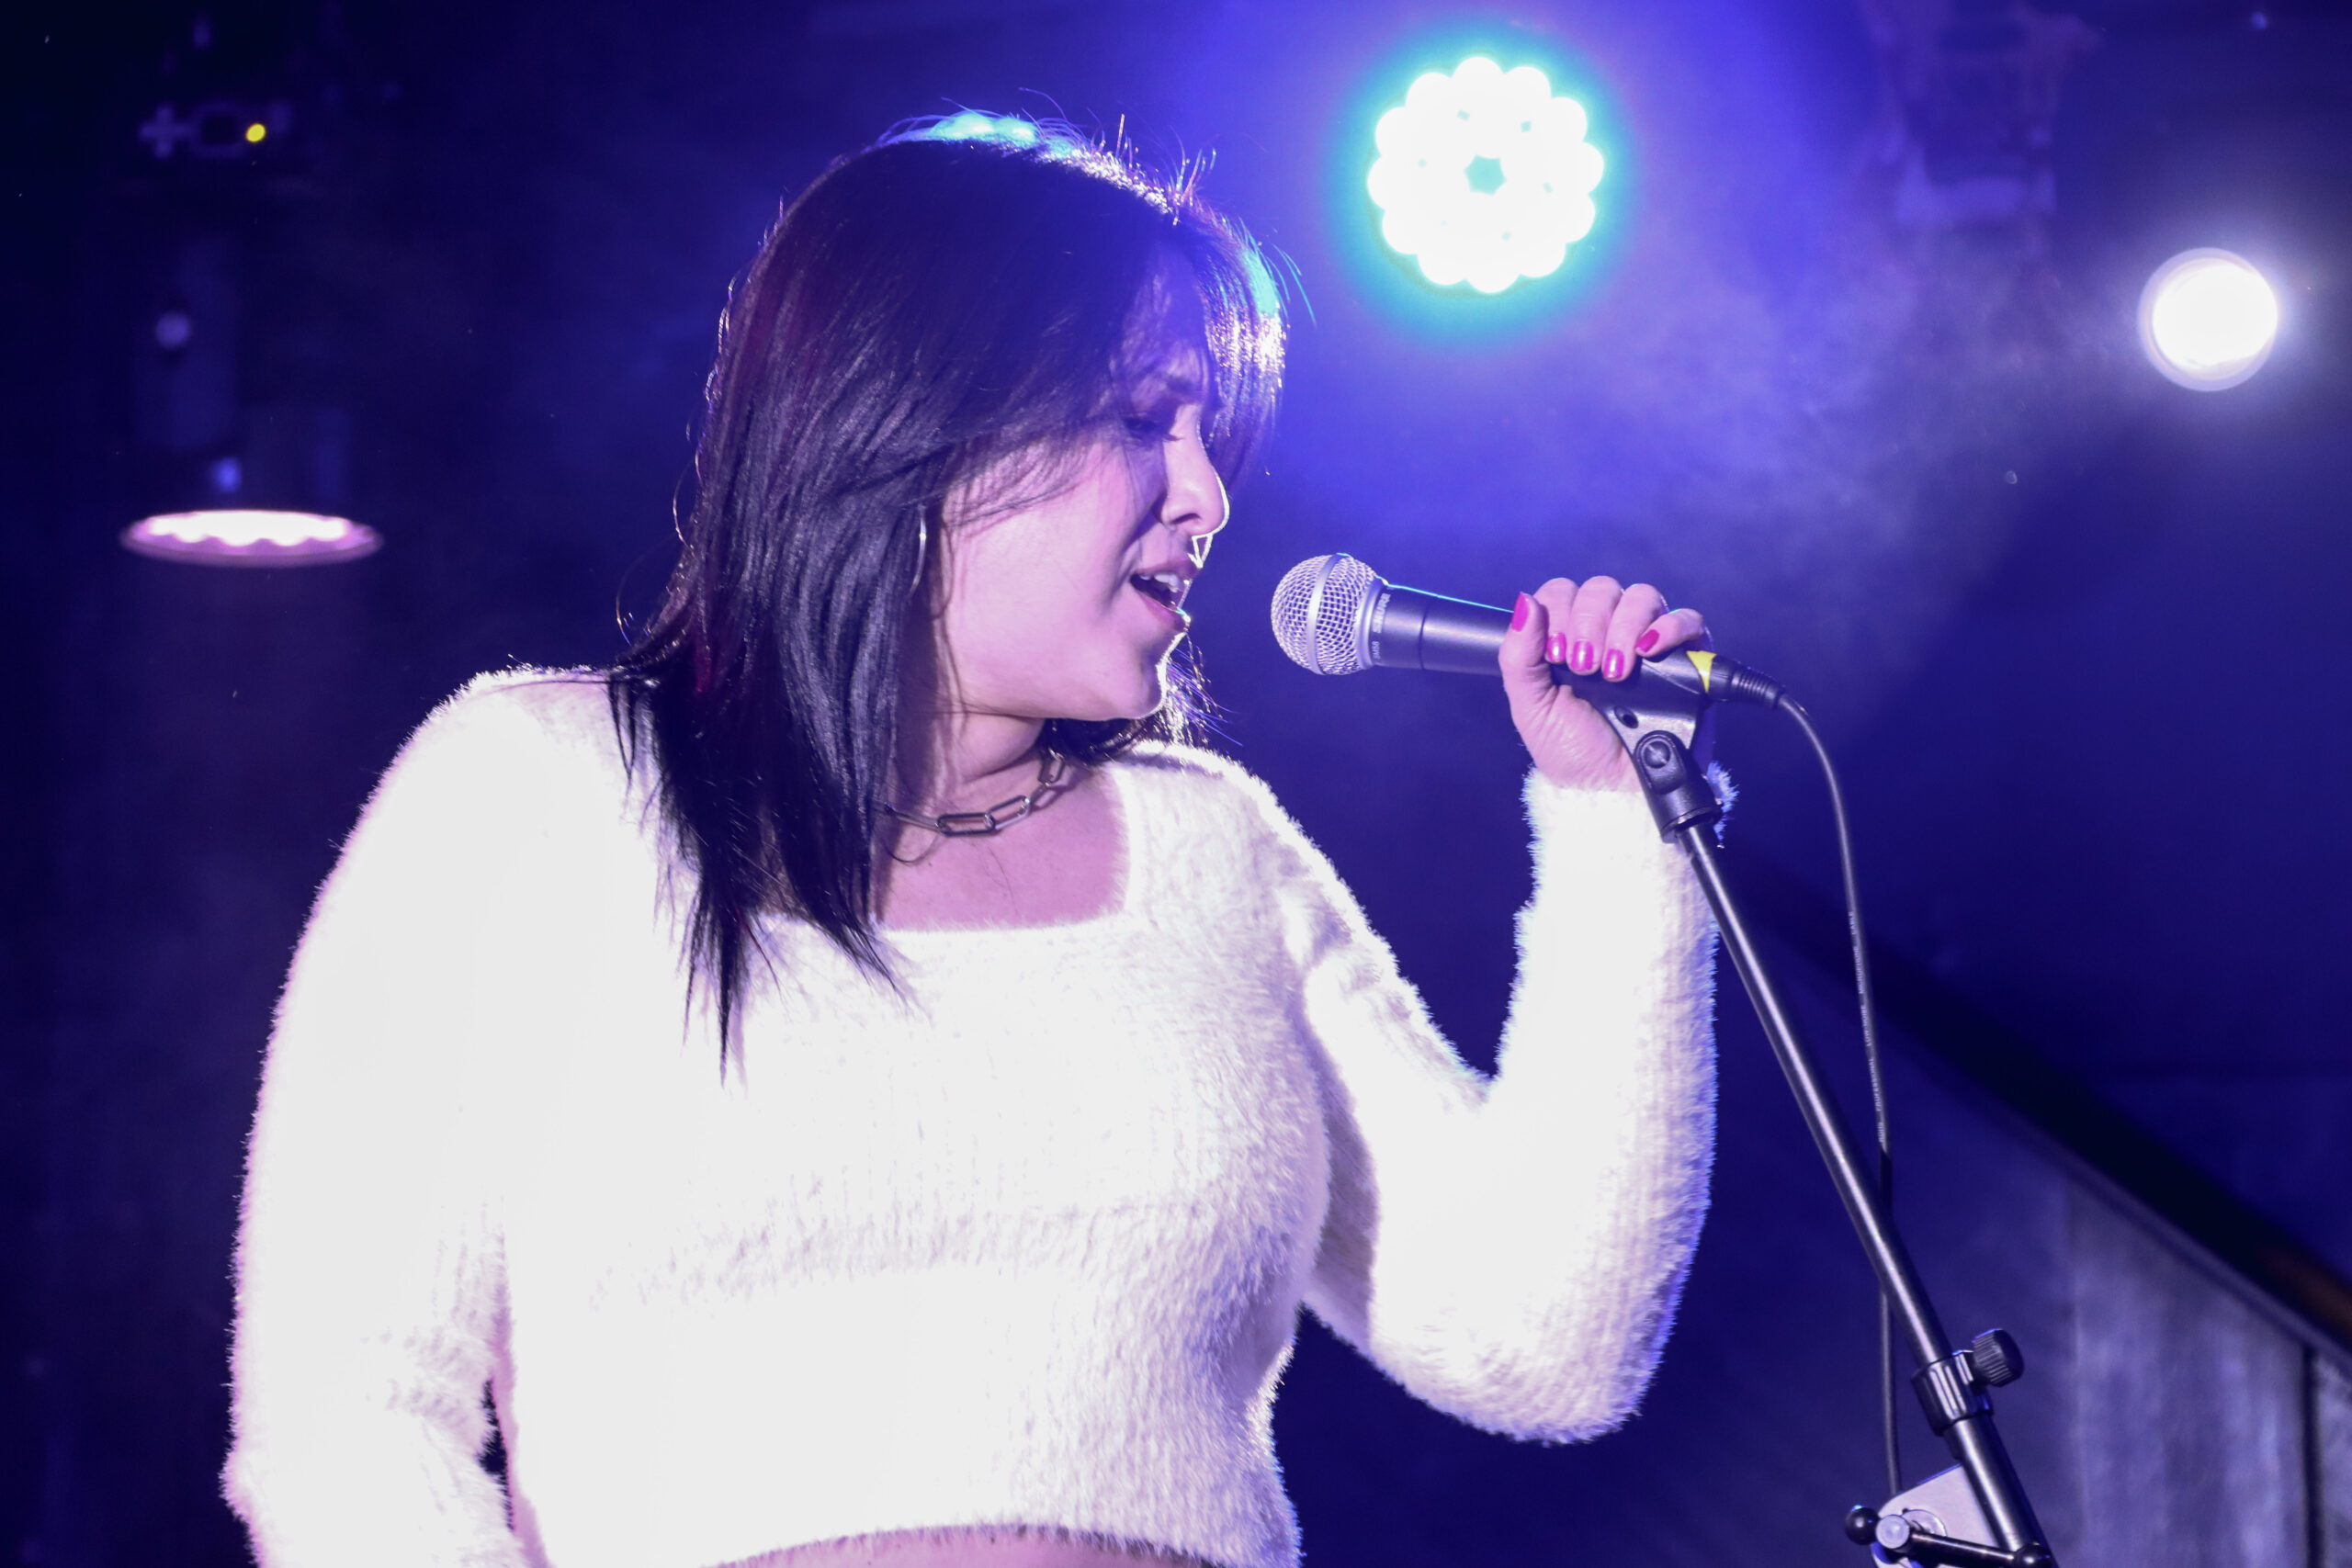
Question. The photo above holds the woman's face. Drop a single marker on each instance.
(1067, 606)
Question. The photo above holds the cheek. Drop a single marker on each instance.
(1010, 606)
(1038, 578)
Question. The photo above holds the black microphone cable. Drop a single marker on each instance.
(1889, 1376)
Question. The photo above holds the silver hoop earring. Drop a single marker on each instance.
(923, 554)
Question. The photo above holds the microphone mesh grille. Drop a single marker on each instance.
(1317, 607)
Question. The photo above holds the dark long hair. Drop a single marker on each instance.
(928, 307)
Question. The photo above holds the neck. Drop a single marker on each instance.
(953, 756)
(962, 761)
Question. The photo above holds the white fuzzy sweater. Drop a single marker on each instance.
(1025, 1245)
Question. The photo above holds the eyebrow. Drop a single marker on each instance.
(1185, 387)
(1164, 374)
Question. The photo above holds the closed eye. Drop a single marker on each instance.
(1150, 427)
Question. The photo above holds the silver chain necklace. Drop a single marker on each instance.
(997, 818)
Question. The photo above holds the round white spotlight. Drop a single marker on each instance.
(1484, 177)
(247, 537)
(2208, 319)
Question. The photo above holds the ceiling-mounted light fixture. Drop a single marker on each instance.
(247, 536)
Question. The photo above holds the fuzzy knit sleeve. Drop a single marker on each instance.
(369, 1281)
(1511, 1250)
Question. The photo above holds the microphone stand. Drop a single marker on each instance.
(1981, 1497)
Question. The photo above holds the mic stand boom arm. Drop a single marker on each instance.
(1657, 722)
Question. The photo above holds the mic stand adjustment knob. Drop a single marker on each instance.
(1996, 1358)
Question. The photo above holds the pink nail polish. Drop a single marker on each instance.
(1580, 658)
(1519, 612)
(1613, 667)
(1649, 640)
(1555, 649)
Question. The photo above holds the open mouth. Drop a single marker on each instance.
(1163, 588)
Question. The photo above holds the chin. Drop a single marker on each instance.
(1117, 696)
(1122, 707)
(1122, 713)
(1151, 700)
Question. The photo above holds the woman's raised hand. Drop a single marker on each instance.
(1594, 626)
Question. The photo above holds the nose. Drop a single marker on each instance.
(1195, 504)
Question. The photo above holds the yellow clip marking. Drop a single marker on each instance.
(1705, 662)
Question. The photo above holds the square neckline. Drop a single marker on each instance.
(1124, 886)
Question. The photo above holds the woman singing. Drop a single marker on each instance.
(849, 1080)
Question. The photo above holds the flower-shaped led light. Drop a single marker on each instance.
(1484, 177)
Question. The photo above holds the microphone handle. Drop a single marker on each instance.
(1411, 628)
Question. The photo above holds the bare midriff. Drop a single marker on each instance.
(969, 1548)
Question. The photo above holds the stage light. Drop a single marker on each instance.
(251, 538)
(1483, 177)
(256, 132)
(2208, 319)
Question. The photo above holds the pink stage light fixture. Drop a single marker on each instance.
(244, 537)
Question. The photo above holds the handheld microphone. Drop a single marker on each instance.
(1335, 615)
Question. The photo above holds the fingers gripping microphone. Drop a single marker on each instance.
(1335, 615)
